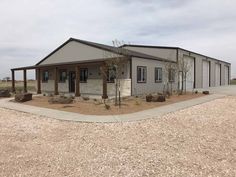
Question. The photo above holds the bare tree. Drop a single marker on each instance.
(170, 71)
(116, 60)
(183, 68)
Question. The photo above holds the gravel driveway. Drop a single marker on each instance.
(198, 141)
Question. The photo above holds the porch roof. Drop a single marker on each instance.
(60, 64)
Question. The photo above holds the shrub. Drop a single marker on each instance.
(107, 107)
(137, 102)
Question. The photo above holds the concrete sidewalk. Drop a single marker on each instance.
(68, 116)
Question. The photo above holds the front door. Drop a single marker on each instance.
(72, 81)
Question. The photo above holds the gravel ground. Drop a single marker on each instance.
(198, 141)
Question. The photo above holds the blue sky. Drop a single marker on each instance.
(31, 29)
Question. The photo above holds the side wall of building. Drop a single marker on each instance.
(150, 86)
(75, 51)
(199, 68)
(165, 53)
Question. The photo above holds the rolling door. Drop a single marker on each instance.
(206, 74)
(217, 75)
(226, 75)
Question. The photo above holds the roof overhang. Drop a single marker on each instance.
(86, 62)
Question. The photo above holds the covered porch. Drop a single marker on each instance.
(75, 78)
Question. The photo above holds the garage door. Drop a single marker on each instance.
(206, 74)
(189, 66)
(217, 75)
(226, 75)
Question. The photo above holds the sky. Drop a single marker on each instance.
(31, 29)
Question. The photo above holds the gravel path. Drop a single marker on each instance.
(198, 141)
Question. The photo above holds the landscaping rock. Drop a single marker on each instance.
(23, 97)
(161, 98)
(85, 98)
(149, 98)
(5, 93)
(206, 92)
(158, 98)
(61, 100)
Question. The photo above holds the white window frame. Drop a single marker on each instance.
(143, 74)
(158, 74)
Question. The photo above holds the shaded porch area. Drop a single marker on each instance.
(86, 79)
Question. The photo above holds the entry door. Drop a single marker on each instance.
(72, 81)
(206, 74)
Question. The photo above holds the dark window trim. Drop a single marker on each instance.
(45, 81)
(157, 81)
(141, 82)
(59, 72)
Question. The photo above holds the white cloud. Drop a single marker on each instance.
(31, 29)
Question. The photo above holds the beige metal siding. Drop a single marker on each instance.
(212, 69)
(226, 75)
(150, 86)
(170, 54)
(206, 73)
(75, 51)
(217, 74)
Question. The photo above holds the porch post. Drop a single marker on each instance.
(38, 81)
(104, 85)
(25, 80)
(77, 81)
(56, 81)
(13, 89)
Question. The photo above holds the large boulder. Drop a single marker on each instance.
(61, 100)
(159, 98)
(23, 97)
(206, 92)
(149, 98)
(5, 93)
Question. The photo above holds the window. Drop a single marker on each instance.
(62, 75)
(158, 74)
(111, 74)
(171, 75)
(141, 74)
(83, 74)
(45, 76)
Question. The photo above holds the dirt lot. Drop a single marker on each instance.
(198, 141)
(19, 85)
(90, 107)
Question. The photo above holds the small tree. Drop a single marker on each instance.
(6, 79)
(117, 58)
(170, 70)
(183, 68)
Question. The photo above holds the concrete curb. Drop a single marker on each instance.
(142, 115)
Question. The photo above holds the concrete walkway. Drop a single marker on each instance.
(68, 116)
(229, 90)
